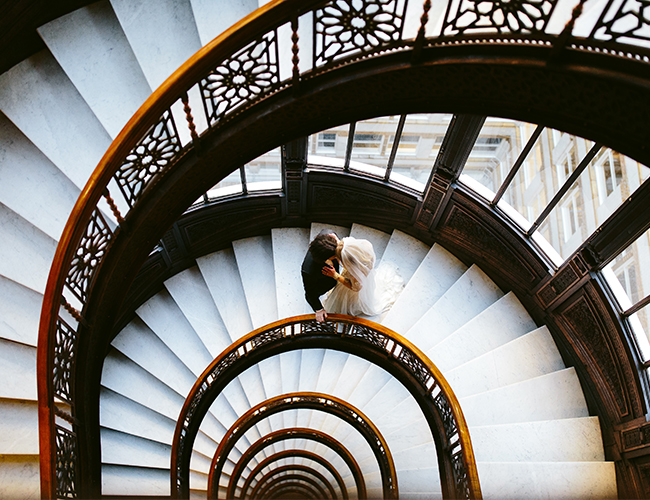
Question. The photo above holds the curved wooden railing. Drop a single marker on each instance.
(237, 70)
(364, 338)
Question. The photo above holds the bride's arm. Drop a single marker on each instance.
(350, 282)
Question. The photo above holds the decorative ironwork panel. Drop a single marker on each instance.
(315, 327)
(626, 21)
(64, 357)
(417, 367)
(66, 463)
(245, 76)
(502, 16)
(460, 476)
(90, 252)
(153, 154)
(447, 416)
(343, 27)
(369, 335)
(267, 337)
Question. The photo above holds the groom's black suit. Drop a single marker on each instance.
(313, 279)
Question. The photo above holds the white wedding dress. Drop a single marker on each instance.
(373, 290)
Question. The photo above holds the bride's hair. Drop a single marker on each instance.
(323, 247)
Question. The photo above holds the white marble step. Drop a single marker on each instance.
(19, 434)
(162, 34)
(39, 98)
(254, 258)
(92, 49)
(20, 478)
(549, 397)
(215, 16)
(503, 321)
(17, 371)
(20, 311)
(289, 249)
(379, 239)
(437, 272)
(140, 344)
(547, 480)
(563, 440)
(125, 377)
(191, 294)
(220, 272)
(317, 227)
(167, 321)
(126, 449)
(120, 413)
(31, 185)
(528, 356)
(405, 252)
(137, 481)
(22, 243)
(472, 293)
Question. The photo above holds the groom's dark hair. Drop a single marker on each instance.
(323, 247)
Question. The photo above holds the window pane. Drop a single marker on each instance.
(607, 182)
(496, 149)
(329, 143)
(265, 172)
(631, 269)
(418, 148)
(370, 149)
(228, 186)
(640, 323)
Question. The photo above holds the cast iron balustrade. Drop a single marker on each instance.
(234, 72)
(377, 344)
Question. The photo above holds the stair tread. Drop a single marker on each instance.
(528, 356)
(32, 185)
(20, 310)
(20, 477)
(472, 293)
(162, 34)
(39, 98)
(548, 397)
(563, 440)
(379, 239)
(17, 371)
(289, 249)
(438, 271)
(405, 252)
(213, 17)
(484, 333)
(24, 242)
(19, 434)
(133, 480)
(254, 258)
(317, 227)
(92, 49)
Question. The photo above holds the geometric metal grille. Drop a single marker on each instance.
(240, 79)
(64, 356)
(66, 460)
(626, 21)
(500, 16)
(153, 154)
(89, 254)
(343, 27)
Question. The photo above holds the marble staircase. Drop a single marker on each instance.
(531, 431)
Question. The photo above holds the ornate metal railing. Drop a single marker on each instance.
(364, 338)
(304, 400)
(240, 68)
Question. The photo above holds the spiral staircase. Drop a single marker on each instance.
(531, 431)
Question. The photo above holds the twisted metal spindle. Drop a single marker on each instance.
(294, 50)
(188, 116)
(113, 206)
(419, 40)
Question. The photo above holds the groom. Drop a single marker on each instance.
(322, 248)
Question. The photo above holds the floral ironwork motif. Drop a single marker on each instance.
(344, 27)
(88, 256)
(417, 367)
(66, 460)
(460, 476)
(501, 16)
(446, 414)
(153, 154)
(245, 76)
(64, 356)
(624, 22)
(371, 336)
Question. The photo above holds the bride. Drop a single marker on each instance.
(361, 289)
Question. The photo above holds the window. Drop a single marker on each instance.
(567, 165)
(609, 175)
(570, 215)
(408, 144)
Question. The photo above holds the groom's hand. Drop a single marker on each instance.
(321, 315)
